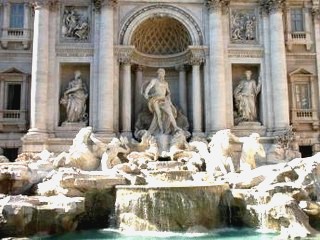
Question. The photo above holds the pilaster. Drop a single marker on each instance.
(106, 68)
(278, 64)
(217, 91)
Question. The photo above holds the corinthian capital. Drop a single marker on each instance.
(217, 5)
(99, 3)
(124, 53)
(269, 6)
(44, 3)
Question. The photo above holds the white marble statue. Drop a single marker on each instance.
(145, 151)
(110, 157)
(220, 157)
(74, 99)
(245, 95)
(85, 152)
(250, 148)
(157, 93)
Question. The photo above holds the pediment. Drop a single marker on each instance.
(300, 71)
(13, 70)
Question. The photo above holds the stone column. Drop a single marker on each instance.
(124, 57)
(2, 96)
(217, 95)
(196, 99)
(197, 58)
(278, 64)
(183, 89)
(138, 85)
(39, 80)
(106, 67)
(126, 98)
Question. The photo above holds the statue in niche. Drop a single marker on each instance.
(74, 99)
(157, 93)
(75, 25)
(245, 95)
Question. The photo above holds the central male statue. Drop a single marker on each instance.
(157, 93)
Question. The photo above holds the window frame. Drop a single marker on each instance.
(294, 20)
(16, 19)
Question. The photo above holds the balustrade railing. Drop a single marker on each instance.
(304, 114)
(12, 115)
(16, 33)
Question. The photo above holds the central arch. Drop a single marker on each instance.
(160, 10)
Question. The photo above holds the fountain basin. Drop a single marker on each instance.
(169, 207)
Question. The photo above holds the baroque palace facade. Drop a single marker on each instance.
(115, 46)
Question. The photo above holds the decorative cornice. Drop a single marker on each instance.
(217, 5)
(245, 53)
(74, 52)
(99, 3)
(269, 6)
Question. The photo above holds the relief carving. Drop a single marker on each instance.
(243, 25)
(75, 23)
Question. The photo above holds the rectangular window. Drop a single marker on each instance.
(297, 20)
(302, 93)
(13, 100)
(17, 15)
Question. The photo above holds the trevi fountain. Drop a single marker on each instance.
(163, 181)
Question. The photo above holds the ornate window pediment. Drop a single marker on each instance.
(303, 103)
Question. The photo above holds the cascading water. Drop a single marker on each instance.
(177, 207)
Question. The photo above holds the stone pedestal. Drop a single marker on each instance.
(246, 128)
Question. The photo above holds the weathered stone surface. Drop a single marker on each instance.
(15, 178)
(176, 207)
(72, 182)
(284, 198)
(29, 215)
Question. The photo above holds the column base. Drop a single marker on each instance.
(105, 135)
(198, 136)
(127, 134)
(34, 141)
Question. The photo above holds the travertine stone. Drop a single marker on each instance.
(39, 81)
(217, 69)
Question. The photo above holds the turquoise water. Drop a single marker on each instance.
(226, 234)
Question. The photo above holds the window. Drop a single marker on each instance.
(297, 20)
(16, 15)
(13, 96)
(302, 93)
